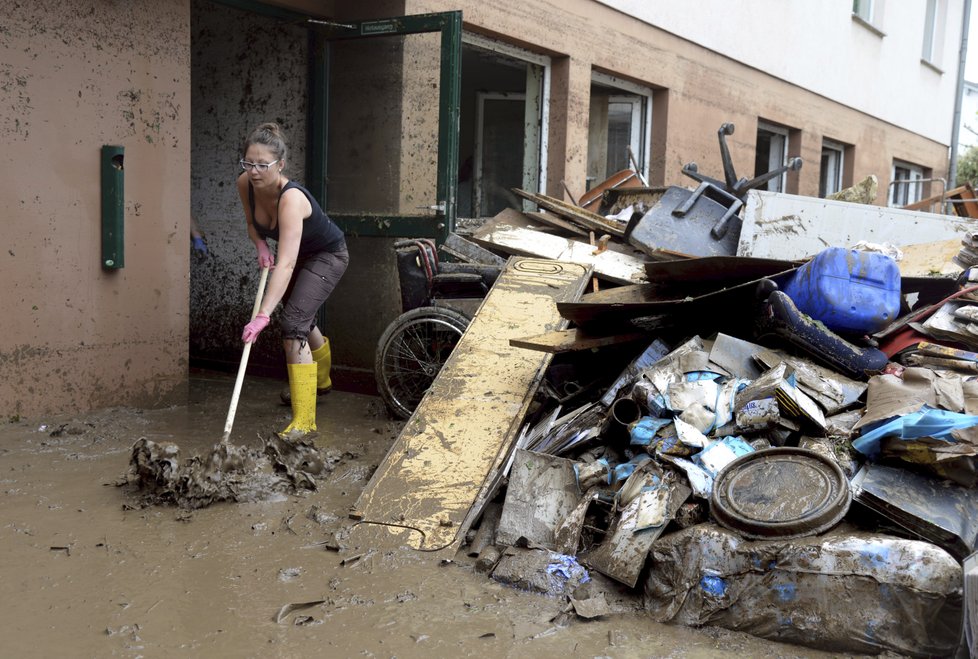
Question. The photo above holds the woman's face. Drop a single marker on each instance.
(259, 154)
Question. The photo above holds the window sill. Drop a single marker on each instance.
(869, 26)
(932, 66)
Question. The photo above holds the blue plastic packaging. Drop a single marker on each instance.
(850, 291)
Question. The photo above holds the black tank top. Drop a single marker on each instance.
(319, 233)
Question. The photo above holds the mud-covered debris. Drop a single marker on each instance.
(226, 473)
(284, 612)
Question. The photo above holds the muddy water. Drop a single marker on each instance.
(86, 572)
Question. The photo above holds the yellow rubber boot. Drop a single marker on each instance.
(324, 361)
(324, 384)
(302, 386)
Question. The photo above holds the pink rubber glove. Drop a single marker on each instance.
(254, 328)
(265, 258)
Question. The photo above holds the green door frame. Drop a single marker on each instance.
(449, 24)
(321, 33)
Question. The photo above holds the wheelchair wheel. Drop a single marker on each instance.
(410, 353)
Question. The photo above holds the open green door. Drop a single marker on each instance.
(384, 123)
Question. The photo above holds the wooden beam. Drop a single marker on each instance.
(580, 216)
(573, 340)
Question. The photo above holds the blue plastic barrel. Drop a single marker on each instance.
(850, 291)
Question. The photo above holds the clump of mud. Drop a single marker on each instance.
(227, 473)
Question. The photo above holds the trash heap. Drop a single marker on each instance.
(787, 448)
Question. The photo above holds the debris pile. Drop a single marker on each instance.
(227, 473)
(781, 445)
(744, 412)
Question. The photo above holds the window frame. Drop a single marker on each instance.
(641, 117)
(935, 25)
(839, 151)
(863, 10)
(869, 14)
(905, 194)
(778, 183)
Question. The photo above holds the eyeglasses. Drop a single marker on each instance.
(258, 166)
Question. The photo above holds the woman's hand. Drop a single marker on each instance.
(265, 257)
(254, 328)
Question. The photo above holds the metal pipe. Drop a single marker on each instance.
(626, 410)
(952, 174)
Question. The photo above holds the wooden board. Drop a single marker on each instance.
(573, 340)
(513, 239)
(452, 446)
(626, 178)
(548, 218)
(572, 213)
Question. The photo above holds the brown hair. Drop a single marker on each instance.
(270, 135)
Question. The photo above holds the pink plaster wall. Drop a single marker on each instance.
(74, 336)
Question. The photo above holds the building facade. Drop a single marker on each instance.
(403, 117)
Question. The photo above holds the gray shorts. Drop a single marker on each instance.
(313, 280)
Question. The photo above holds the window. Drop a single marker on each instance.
(906, 184)
(863, 9)
(869, 13)
(502, 125)
(830, 172)
(772, 152)
(933, 38)
(619, 128)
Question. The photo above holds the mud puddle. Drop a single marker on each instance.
(88, 572)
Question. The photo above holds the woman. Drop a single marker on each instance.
(312, 256)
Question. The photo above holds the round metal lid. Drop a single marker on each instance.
(780, 493)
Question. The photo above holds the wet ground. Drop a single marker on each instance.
(86, 571)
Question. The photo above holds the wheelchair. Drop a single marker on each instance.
(438, 300)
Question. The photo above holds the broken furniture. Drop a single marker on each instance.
(962, 200)
(738, 187)
(626, 178)
(706, 221)
(510, 232)
(702, 222)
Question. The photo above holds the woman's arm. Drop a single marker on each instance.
(293, 209)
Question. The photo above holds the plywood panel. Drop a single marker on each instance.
(466, 423)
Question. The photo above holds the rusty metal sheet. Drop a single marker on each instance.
(464, 427)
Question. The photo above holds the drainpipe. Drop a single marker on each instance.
(952, 176)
